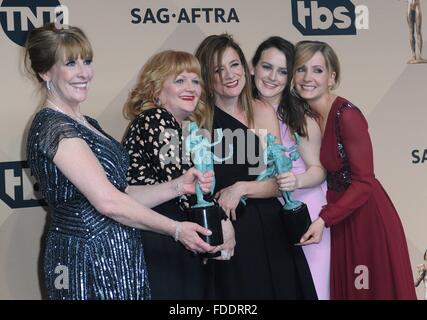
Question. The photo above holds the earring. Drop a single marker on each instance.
(48, 85)
(157, 103)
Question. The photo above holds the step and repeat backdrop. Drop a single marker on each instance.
(372, 39)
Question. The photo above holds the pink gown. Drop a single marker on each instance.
(318, 255)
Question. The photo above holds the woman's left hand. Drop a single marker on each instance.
(229, 198)
(187, 182)
(314, 233)
(287, 181)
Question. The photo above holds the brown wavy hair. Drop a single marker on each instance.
(211, 49)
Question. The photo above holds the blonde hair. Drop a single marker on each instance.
(152, 77)
(305, 50)
(47, 45)
(212, 48)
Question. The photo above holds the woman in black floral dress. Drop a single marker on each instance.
(167, 92)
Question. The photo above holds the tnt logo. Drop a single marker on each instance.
(18, 17)
(17, 186)
(328, 17)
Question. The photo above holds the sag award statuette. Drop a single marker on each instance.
(295, 215)
(205, 212)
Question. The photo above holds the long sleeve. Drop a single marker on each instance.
(358, 148)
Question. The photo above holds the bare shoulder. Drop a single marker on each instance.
(262, 108)
(312, 125)
(313, 128)
(263, 112)
(265, 117)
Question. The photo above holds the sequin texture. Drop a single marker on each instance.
(340, 180)
(87, 255)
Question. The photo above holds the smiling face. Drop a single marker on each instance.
(69, 81)
(313, 80)
(230, 76)
(180, 94)
(271, 75)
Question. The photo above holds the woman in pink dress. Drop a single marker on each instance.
(369, 254)
(272, 66)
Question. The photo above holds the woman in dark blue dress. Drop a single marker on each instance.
(93, 248)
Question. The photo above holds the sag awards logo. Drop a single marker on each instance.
(419, 156)
(329, 17)
(184, 15)
(17, 186)
(18, 17)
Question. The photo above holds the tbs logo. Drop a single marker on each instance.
(18, 17)
(328, 17)
(17, 186)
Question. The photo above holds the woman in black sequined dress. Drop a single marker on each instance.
(93, 249)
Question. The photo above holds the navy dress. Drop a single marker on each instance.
(87, 255)
(264, 265)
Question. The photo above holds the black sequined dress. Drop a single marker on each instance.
(87, 255)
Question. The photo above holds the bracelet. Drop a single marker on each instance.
(177, 230)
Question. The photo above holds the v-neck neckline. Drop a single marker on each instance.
(230, 116)
(101, 133)
(328, 118)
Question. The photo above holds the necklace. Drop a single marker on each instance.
(82, 120)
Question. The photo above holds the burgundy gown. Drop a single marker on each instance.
(369, 254)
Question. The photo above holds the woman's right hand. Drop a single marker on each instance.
(188, 235)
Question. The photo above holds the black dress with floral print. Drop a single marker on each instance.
(154, 144)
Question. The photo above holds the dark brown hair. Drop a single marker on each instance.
(292, 109)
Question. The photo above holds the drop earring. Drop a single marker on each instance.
(48, 86)
(157, 103)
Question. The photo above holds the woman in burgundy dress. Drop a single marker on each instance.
(369, 254)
